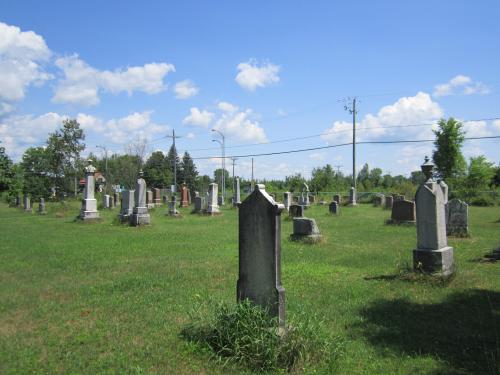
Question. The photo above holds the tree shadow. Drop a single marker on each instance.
(462, 331)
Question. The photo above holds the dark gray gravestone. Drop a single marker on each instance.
(296, 210)
(334, 208)
(260, 253)
(127, 205)
(199, 202)
(305, 229)
(457, 218)
(389, 200)
(403, 212)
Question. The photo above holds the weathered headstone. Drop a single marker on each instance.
(157, 197)
(305, 228)
(149, 199)
(403, 212)
(140, 214)
(379, 200)
(184, 196)
(304, 195)
(27, 203)
(334, 208)
(212, 205)
(296, 210)
(399, 197)
(337, 198)
(352, 196)
(89, 203)
(287, 200)
(389, 200)
(41, 207)
(172, 206)
(116, 199)
(199, 202)
(260, 253)
(106, 201)
(127, 206)
(457, 218)
(237, 194)
(432, 255)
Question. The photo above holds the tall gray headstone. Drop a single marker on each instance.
(432, 255)
(198, 203)
(260, 253)
(457, 218)
(127, 206)
(172, 206)
(89, 203)
(352, 196)
(116, 199)
(140, 214)
(287, 200)
(237, 194)
(212, 205)
(41, 207)
(27, 203)
(106, 201)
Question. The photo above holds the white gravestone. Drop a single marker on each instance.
(89, 204)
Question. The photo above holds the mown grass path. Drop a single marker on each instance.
(107, 298)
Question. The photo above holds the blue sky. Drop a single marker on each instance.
(259, 72)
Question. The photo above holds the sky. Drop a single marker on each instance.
(271, 76)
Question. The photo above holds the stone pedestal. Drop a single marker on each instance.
(89, 211)
(432, 255)
(212, 206)
(352, 197)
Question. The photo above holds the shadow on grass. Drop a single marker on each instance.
(462, 331)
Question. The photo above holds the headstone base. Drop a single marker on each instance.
(438, 262)
(400, 222)
(89, 215)
(212, 213)
(140, 217)
(124, 218)
(150, 206)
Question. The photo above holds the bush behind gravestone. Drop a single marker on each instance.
(245, 335)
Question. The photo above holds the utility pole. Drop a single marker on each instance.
(352, 109)
(173, 136)
(105, 166)
(253, 182)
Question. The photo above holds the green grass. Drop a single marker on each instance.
(106, 298)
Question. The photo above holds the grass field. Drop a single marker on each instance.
(106, 298)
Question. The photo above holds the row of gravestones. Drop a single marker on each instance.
(27, 204)
(260, 243)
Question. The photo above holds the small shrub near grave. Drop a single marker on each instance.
(245, 335)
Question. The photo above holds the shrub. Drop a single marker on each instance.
(245, 335)
(482, 200)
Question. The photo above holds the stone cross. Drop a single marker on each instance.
(127, 206)
(212, 206)
(457, 218)
(140, 214)
(432, 255)
(89, 204)
(260, 253)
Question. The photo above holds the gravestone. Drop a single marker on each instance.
(116, 198)
(189, 197)
(337, 198)
(184, 196)
(403, 212)
(334, 208)
(389, 200)
(157, 197)
(352, 196)
(296, 210)
(457, 218)
(379, 200)
(237, 194)
(149, 199)
(260, 253)
(444, 188)
(41, 207)
(27, 203)
(287, 200)
(399, 197)
(140, 214)
(212, 205)
(127, 206)
(432, 255)
(304, 195)
(312, 198)
(106, 201)
(205, 205)
(89, 203)
(305, 228)
(199, 203)
(172, 206)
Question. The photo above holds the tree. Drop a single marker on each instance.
(189, 172)
(172, 160)
(364, 176)
(447, 156)
(218, 175)
(375, 177)
(479, 174)
(417, 177)
(36, 167)
(294, 183)
(322, 179)
(6, 173)
(495, 180)
(156, 171)
(64, 147)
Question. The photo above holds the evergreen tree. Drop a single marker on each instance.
(156, 171)
(189, 172)
(6, 173)
(447, 157)
(36, 166)
(171, 160)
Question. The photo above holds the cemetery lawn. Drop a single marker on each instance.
(106, 298)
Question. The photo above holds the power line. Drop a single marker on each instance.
(338, 145)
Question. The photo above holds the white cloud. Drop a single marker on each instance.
(252, 76)
(190, 136)
(185, 89)
(418, 109)
(21, 53)
(240, 126)
(476, 129)
(318, 156)
(82, 83)
(496, 125)
(198, 118)
(138, 125)
(460, 84)
(227, 107)
(281, 113)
